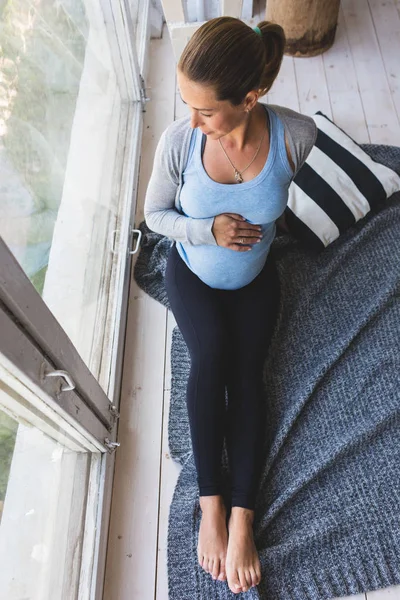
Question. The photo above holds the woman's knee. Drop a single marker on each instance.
(209, 358)
(245, 373)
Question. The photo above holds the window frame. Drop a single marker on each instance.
(34, 343)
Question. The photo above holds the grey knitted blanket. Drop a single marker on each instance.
(327, 516)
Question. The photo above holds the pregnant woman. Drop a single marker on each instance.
(219, 182)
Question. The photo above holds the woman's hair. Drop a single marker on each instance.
(232, 58)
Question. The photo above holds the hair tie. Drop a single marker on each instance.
(258, 31)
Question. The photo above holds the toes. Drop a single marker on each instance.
(219, 570)
(247, 575)
(243, 581)
(222, 571)
(234, 583)
(209, 567)
(215, 568)
(254, 577)
(200, 558)
(258, 573)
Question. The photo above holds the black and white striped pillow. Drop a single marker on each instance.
(336, 187)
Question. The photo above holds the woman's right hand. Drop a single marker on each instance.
(229, 229)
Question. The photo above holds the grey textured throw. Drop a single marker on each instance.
(327, 518)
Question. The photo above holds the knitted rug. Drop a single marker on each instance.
(327, 515)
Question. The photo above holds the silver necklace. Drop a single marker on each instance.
(238, 174)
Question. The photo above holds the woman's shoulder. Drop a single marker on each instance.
(178, 129)
(301, 132)
(295, 120)
(175, 139)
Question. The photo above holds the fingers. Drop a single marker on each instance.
(247, 236)
(235, 216)
(253, 233)
(240, 248)
(243, 235)
(247, 240)
(245, 243)
(246, 225)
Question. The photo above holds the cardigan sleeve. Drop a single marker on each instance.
(160, 213)
(301, 133)
(304, 141)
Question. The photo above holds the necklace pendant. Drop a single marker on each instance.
(238, 177)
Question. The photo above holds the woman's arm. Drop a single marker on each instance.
(160, 213)
(281, 221)
(289, 155)
(300, 134)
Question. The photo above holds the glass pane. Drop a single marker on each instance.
(43, 501)
(8, 433)
(137, 13)
(60, 112)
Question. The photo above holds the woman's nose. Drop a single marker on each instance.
(194, 121)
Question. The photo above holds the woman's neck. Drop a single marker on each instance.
(249, 132)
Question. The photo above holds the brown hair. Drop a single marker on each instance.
(228, 55)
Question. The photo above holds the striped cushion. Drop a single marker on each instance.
(336, 187)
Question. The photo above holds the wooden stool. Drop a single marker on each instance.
(309, 25)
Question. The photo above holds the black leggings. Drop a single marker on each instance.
(227, 333)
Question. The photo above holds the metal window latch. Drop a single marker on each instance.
(111, 446)
(60, 373)
(112, 241)
(137, 241)
(113, 410)
(112, 237)
(143, 96)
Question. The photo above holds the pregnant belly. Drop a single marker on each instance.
(223, 268)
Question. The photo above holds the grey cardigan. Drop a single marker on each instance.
(162, 209)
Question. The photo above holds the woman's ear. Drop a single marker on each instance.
(251, 100)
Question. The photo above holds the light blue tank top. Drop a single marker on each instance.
(261, 201)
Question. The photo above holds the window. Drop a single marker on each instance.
(71, 103)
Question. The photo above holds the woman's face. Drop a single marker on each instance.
(213, 118)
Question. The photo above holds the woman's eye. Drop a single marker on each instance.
(205, 115)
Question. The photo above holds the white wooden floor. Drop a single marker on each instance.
(357, 84)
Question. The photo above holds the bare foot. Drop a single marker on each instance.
(243, 567)
(213, 537)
